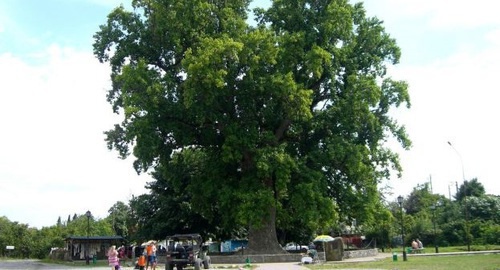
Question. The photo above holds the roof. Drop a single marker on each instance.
(185, 236)
(113, 237)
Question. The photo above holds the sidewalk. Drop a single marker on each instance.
(379, 256)
(298, 266)
(263, 266)
(280, 266)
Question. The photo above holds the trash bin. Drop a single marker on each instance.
(94, 259)
(394, 257)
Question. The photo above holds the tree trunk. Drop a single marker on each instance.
(263, 239)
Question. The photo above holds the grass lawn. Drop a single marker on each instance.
(430, 249)
(453, 262)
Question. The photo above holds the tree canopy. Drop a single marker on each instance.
(470, 188)
(279, 124)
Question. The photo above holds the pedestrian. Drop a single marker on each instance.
(122, 254)
(414, 246)
(113, 257)
(419, 244)
(141, 262)
(151, 252)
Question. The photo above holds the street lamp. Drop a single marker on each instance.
(433, 208)
(88, 214)
(400, 201)
(465, 198)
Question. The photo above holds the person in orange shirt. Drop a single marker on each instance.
(151, 251)
(141, 262)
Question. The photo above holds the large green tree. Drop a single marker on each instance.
(286, 119)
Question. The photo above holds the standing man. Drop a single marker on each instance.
(151, 255)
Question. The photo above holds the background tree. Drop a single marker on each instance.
(287, 119)
(118, 217)
(472, 188)
(449, 218)
(141, 211)
(486, 207)
(420, 199)
(381, 230)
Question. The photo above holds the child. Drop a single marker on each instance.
(113, 257)
(141, 262)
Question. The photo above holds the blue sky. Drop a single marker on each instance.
(53, 109)
(28, 25)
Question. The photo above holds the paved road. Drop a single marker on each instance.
(37, 265)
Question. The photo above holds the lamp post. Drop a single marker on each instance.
(88, 214)
(465, 199)
(433, 208)
(400, 202)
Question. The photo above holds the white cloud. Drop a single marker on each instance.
(109, 3)
(494, 37)
(53, 151)
(454, 99)
(438, 14)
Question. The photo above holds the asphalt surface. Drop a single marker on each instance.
(37, 265)
(28, 264)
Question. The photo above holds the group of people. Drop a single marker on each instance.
(145, 261)
(416, 245)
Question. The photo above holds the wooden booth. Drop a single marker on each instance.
(79, 246)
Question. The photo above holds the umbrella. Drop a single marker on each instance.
(150, 242)
(323, 238)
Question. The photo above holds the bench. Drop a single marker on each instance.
(415, 250)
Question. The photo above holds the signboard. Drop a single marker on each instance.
(9, 247)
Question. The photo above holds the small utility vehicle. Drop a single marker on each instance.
(186, 249)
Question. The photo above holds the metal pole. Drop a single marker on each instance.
(433, 207)
(403, 235)
(87, 257)
(467, 240)
(400, 201)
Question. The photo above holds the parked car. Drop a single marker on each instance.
(184, 250)
(296, 247)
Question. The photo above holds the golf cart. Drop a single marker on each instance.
(186, 249)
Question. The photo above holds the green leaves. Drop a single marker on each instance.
(207, 69)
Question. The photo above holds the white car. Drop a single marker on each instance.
(296, 247)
